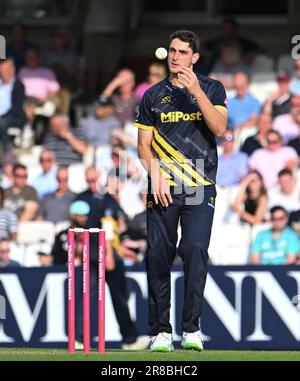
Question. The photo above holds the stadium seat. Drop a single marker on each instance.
(223, 210)
(261, 64)
(29, 236)
(35, 231)
(229, 244)
(16, 252)
(286, 62)
(77, 181)
(263, 84)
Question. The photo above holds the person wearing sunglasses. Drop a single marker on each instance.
(272, 159)
(21, 198)
(278, 245)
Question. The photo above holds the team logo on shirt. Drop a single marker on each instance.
(177, 116)
(166, 100)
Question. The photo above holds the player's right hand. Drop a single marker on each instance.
(160, 189)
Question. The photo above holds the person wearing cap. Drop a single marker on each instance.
(232, 164)
(78, 214)
(279, 102)
(99, 126)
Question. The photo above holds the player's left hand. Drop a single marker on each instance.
(188, 79)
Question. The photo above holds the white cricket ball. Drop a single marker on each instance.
(161, 53)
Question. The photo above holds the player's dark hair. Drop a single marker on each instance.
(187, 36)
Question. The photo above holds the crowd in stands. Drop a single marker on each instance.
(56, 150)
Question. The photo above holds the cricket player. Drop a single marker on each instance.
(178, 120)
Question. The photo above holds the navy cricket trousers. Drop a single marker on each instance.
(196, 222)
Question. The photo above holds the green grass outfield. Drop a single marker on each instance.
(28, 354)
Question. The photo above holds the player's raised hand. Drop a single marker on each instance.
(188, 79)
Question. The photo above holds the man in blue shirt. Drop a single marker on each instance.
(243, 109)
(233, 165)
(46, 181)
(278, 245)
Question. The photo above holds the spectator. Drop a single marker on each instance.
(259, 140)
(230, 34)
(7, 177)
(12, 97)
(278, 245)
(288, 125)
(19, 45)
(8, 221)
(5, 260)
(278, 103)
(295, 83)
(68, 144)
(272, 159)
(251, 201)
(244, 108)
(21, 198)
(98, 127)
(45, 182)
(287, 194)
(125, 101)
(232, 164)
(44, 253)
(63, 61)
(228, 65)
(157, 72)
(55, 206)
(40, 82)
(78, 215)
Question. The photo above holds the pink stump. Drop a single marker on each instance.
(86, 291)
(101, 292)
(71, 292)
